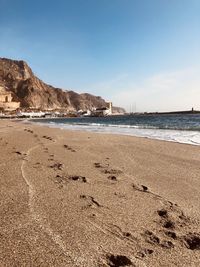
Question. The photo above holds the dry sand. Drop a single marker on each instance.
(84, 199)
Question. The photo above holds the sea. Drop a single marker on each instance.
(174, 128)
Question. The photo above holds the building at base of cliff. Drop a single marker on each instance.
(6, 102)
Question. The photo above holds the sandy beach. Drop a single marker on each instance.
(70, 198)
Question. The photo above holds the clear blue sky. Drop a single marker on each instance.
(129, 51)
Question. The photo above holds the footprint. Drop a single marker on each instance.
(78, 178)
(37, 165)
(127, 234)
(106, 170)
(28, 130)
(61, 179)
(192, 241)
(69, 148)
(145, 188)
(57, 166)
(98, 165)
(155, 240)
(145, 252)
(112, 171)
(169, 224)
(163, 213)
(90, 201)
(167, 244)
(112, 177)
(47, 137)
(141, 188)
(171, 234)
(151, 237)
(118, 260)
(18, 152)
(173, 217)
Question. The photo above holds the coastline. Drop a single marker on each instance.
(83, 198)
(181, 136)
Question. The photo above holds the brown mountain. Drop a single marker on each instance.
(31, 92)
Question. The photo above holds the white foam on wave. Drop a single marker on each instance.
(179, 136)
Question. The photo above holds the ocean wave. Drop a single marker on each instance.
(138, 126)
(172, 135)
(179, 128)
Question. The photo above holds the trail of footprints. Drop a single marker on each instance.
(111, 260)
(170, 219)
(172, 223)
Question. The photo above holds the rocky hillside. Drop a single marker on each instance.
(18, 77)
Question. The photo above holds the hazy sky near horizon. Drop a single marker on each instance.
(143, 53)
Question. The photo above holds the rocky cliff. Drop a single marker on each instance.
(18, 77)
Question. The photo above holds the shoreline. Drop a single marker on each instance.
(109, 130)
(87, 200)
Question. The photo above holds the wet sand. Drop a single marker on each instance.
(95, 200)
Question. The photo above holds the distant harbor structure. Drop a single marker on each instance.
(100, 112)
(133, 108)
